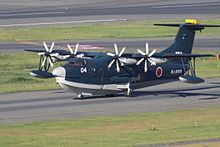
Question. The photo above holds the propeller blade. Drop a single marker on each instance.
(70, 49)
(111, 54)
(50, 61)
(151, 61)
(45, 46)
(44, 61)
(51, 47)
(139, 62)
(117, 66)
(152, 53)
(145, 66)
(76, 48)
(116, 49)
(110, 64)
(122, 51)
(147, 48)
(141, 52)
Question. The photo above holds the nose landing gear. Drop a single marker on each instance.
(129, 92)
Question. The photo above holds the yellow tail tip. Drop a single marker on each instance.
(192, 21)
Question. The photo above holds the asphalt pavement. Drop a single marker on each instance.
(38, 106)
(38, 12)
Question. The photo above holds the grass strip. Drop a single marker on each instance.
(110, 30)
(128, 130)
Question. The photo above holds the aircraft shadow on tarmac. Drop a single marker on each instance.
(184, 93)
(173, 93)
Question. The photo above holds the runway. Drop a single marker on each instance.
(201, 43)
(57, 105)
(14, 13)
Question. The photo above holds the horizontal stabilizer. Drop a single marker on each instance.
(188, 26)
(168, 25)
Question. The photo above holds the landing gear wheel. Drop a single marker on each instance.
(79, 96)
(129, 90)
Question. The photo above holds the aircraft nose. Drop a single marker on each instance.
(59, 72)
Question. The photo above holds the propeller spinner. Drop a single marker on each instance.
(116, 58)
(146, 57)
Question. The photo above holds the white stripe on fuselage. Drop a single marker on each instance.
(108, 87)
(87, 86)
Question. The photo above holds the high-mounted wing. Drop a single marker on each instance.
(50, 56)
(170, 55)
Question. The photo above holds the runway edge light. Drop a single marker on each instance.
(192, 21)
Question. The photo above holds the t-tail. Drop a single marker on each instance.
(184, 40)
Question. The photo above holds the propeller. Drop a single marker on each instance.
(146, 57)
(73, 53)
(116, 58)
(46, 57)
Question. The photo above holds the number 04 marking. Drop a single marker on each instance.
(83, 70)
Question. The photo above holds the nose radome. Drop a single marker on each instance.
(59, 72)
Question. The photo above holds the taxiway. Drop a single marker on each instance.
(201, 43)
(27, 107)
(38, 12)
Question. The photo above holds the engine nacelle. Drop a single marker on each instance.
(128, 61)
(159, 60)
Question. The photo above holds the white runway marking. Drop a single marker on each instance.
(30, 14)
(63, 22)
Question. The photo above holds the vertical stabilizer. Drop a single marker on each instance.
(184, 40)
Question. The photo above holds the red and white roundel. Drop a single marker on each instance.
(159, 72)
